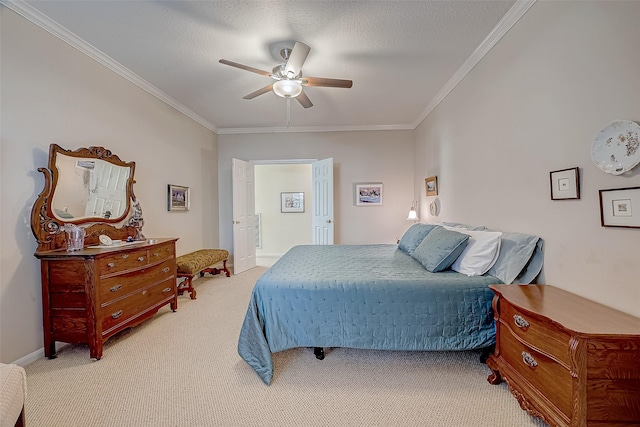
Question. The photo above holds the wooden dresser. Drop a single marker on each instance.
(568, 360)
(91, 294)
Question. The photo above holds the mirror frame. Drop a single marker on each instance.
(48, 229)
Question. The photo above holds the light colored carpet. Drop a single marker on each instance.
(183, 369)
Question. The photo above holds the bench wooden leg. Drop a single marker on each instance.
(213, 270)
(186, 285)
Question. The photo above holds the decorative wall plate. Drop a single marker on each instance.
(616, 148)
(433, 208)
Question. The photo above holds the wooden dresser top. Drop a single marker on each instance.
(93, 251)
(571, 311)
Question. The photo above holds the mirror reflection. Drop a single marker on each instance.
(89, 188)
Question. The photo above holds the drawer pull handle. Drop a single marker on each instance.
(116, 288)
(144, 292)
(111, 264)
(125, 256)
(165, 270)
(529, 360)
(117, 314)
(141, 258)
(165, 290)
(520, 321)
(156, 254)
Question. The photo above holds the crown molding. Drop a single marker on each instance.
(35, 16)
(508, 20)
(304, 129)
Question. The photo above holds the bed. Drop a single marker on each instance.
(380, 297)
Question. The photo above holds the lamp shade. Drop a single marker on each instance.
(287, 88)
(413, 215)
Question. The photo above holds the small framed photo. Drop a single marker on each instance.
(368, 193)
(565, 184)
(620, 207)
(431, 184)
(291, 202)
(178, 197)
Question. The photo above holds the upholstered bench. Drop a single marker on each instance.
(200, 262)
(13, 392)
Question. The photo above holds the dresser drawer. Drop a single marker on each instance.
(121, 285)
(122, 261)
(121, 311)
(161, 253)
(546, 375)
(539, 333)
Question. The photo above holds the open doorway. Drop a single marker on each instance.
(280, 225)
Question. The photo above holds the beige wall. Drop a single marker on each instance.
(50, 92)
(281, 231)
(376, 156)
(533, 105)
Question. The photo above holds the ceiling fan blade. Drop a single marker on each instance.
(258, 92)
(296, 59)
(304, 100)
(325, 82)
(245, 67)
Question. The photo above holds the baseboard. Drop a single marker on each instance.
(32, 357)
(269, 255)
(267, 259)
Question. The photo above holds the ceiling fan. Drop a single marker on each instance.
(288, 76)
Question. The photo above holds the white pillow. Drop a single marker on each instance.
(480, 253)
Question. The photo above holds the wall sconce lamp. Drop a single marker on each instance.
(413, 214)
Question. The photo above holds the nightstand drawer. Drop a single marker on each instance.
(545, 374)
(535, 332)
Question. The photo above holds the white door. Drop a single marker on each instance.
(323, 202)
(244, 248)
(107, 190)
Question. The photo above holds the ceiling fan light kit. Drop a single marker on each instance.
(288, 76)
(287, 88)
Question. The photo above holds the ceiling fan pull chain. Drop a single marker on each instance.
(288, 112)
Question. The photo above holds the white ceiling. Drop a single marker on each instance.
(401, 55)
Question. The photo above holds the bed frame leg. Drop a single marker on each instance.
(486, 352)
(318, 352)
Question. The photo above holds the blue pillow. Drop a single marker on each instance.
(440, 248)
(413, 236)
(518, 251)
(463, 226)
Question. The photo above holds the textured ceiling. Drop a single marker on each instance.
(399, 54)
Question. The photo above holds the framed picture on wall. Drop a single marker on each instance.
(291, 202)
(620, 207)
(565, 184)
(431, 184)
(178, 198)
(367, 193)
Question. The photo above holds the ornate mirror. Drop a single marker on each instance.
(90, 187)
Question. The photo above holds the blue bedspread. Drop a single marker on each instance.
(362, 296)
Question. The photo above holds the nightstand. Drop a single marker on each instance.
(568, 360)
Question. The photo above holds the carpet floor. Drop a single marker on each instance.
(182, 369)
